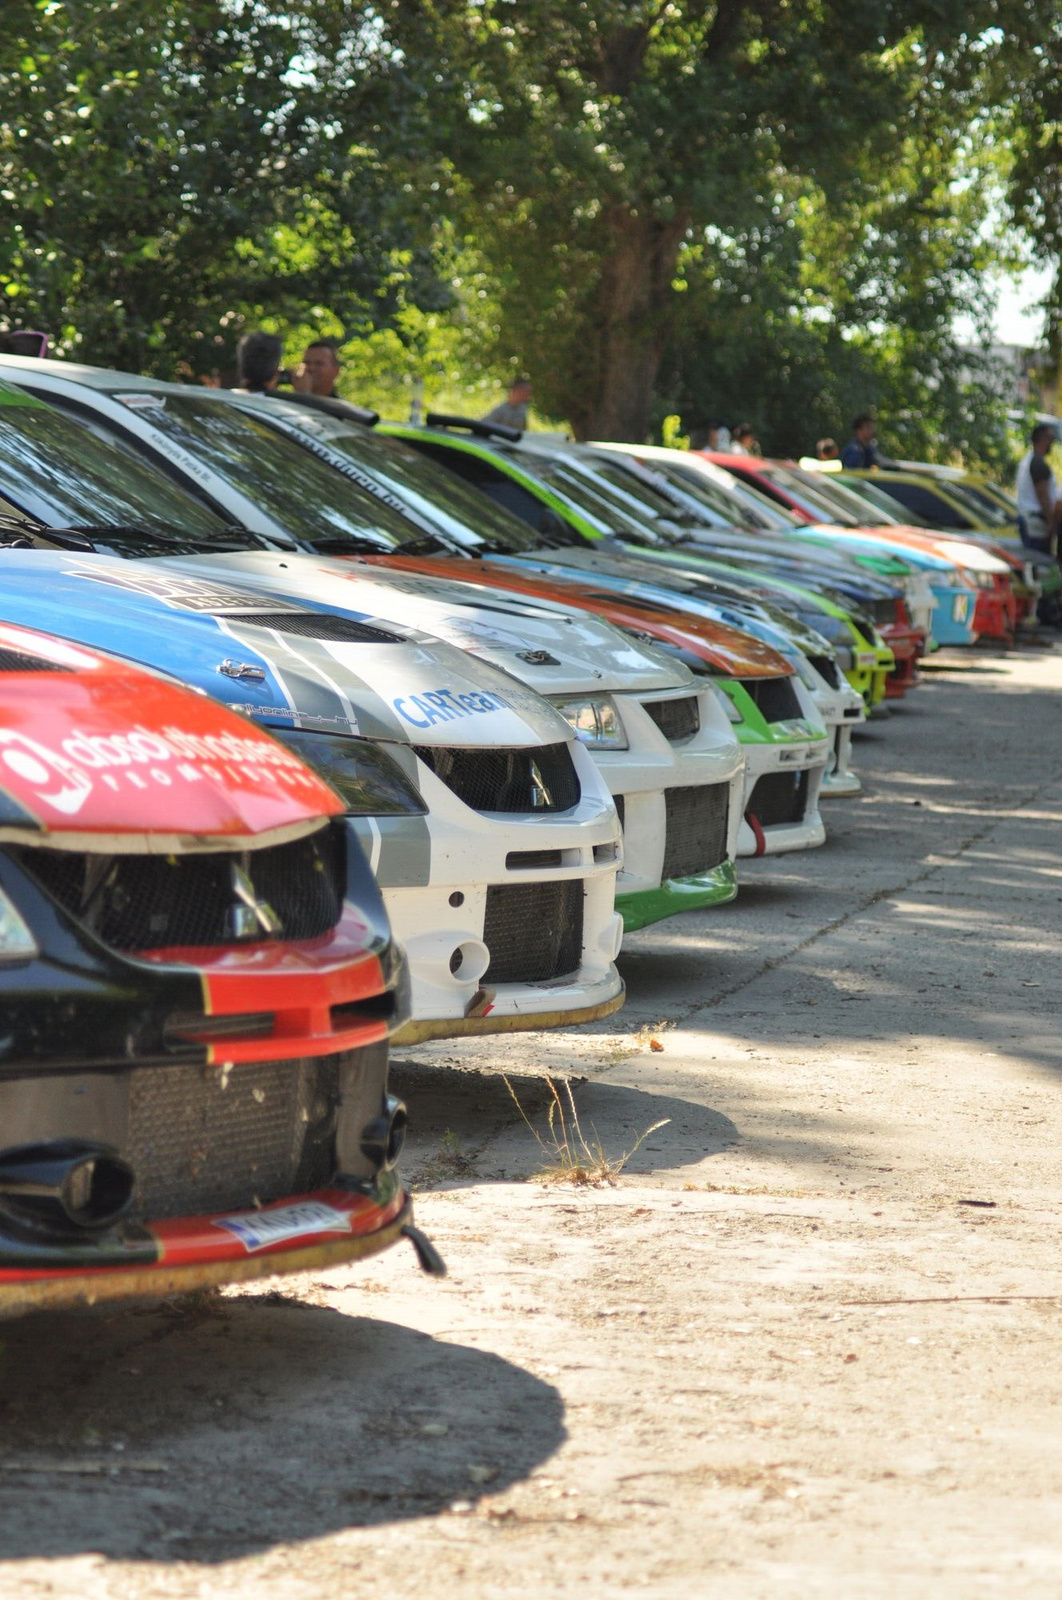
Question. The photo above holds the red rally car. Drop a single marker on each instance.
(197, 985)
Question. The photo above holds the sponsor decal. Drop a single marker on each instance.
(64, 778)
(53, 779)
(185, 594)
(444, 705)
(257, 1230)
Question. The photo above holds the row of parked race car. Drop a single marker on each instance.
(318, 733)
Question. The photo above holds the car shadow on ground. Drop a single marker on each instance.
(474, 1124)
(219, 1427)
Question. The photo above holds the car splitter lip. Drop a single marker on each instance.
(641, 907)
(485, 1021)
(328, 1227)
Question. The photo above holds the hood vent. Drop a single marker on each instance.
(315, 625)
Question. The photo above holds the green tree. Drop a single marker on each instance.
(594, 143)
(172, 170)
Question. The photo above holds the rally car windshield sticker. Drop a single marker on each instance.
(143, 402)
(186, 594)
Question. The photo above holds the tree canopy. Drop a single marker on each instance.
(750, 208)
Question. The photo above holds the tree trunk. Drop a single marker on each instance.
(635, 303)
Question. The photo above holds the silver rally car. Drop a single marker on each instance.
(491, 832)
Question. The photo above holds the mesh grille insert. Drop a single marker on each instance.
(779, 797)
(18, 661)
(883, 611)
(696, 821)
(148, 902)
(543, 779)
(534, 931)
(775, 697)
(197, 1147)
(315, 625)
(827, 668)
(676, 719)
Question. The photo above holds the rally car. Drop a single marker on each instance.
(197, 984)
(659, 738)
(491, 833)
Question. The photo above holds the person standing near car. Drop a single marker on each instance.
(319, 369)
(512, 412)
(1039, 505)
(861, 451)
(258, 357)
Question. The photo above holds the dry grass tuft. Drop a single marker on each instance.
(572, 1157)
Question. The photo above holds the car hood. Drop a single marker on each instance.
(583, 652)
(92, 748)
(403, 686)
(726, 649)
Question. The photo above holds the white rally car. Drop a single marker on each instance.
(660, 737)
(490, 830)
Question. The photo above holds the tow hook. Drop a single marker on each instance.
(757, 833)
(428, 1258)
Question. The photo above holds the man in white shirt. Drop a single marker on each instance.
(1039, 505)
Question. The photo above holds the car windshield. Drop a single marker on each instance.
(433, 495)
(614, 512)
(852, 502)
(758, 510)
(301, 494)
(718, 506)
(982, 507)
(630, 483)
(63, 474)
(809, 498)
(883, 501)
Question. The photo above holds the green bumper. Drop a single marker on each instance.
(712, 888)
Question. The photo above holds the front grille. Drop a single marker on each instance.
(696, 823)
(534, 931)
(676, 719)
(316, 625)
(543, 779)
(882, 611)
(827, 668)
(148, 902)
(779, 797)
(775, 697)
(202, 1140)
(19, 661)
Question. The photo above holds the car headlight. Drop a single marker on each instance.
(368, 781)
(595, 719)
(845, 658)
(727, 704)
(804, 671)
(16, 941)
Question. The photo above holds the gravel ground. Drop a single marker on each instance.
(806, 1344)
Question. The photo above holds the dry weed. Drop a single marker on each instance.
(571, 1156)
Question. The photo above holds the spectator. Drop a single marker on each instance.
(744, 441)
(512, 413)
(319, 369)
(1039, 507)
(861, 451)
(258, 361)
(826, 450)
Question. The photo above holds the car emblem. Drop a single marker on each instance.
(251, 918)
(242, 669)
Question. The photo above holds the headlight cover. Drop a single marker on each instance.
(595, 719)
(368, 781)
(16, 941)
(727, 704)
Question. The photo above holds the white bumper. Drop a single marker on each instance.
(778, 763)
(468, 891)
(710, 761)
